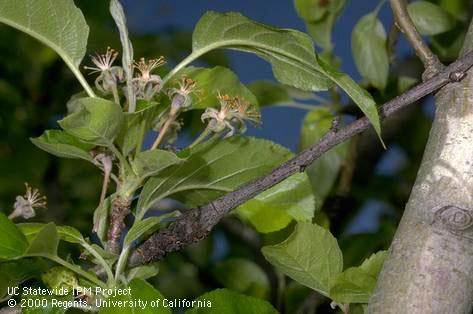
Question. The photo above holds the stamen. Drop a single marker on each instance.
(103, 62)
(146, 68)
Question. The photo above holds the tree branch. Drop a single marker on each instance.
(196, 224)
(429, 264)
(431, 63)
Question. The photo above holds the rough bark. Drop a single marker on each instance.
(429, 268)
(120, 209)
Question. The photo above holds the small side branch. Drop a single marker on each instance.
(431, 62)
(196, 224)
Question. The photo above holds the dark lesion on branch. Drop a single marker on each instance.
(120, 209)
(197, 223)
(190, 228)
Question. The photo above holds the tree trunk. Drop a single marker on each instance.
(429, 268)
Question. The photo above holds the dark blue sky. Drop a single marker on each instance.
(281, 125)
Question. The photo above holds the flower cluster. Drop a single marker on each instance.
(145, 84)
(25, 205)
(232, 116)
(233, 113)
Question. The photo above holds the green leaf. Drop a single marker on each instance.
(368, 45)
(60, 279)
(405, 82)
(230, 302)
(13, 273)
(352, 286)
(151, 162)
(360, 96)
(265, 218)
(57, 24)
(321, 29)
(429, 18)
(213, 168)
(356, 284)
(269, 93)
(136, 124)
(101, 214)
(310, 256)
(209, 82)
(321, 219)
(456, 8)
(98, 121)
(143, 272)
(109, 258)
(243, 276)
(374, 263)
(45, 242)
(140, 228)
(118, 15)
(13, 243)
(290, 52)
(276, 207)
(70, 234)
(311, 10)
(61, 144)
(140, 290)
(65, 233)
(30, 229)
(321, 32)
(324, 171)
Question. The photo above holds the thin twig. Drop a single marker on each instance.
(196, 224)
(393, 38)
(107, 171)
(431, 62)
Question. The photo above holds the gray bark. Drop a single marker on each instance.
(429, 268)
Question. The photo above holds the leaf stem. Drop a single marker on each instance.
(140, 139)
(296, 105)
(72, 267)
(120, 156)
(379, 6)
(194, 55)
(164, 129)
(336, 98)
(100, 259)
(116, 98)
(122, 261)
(201, 137)
(83, 82)
(318, 98)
